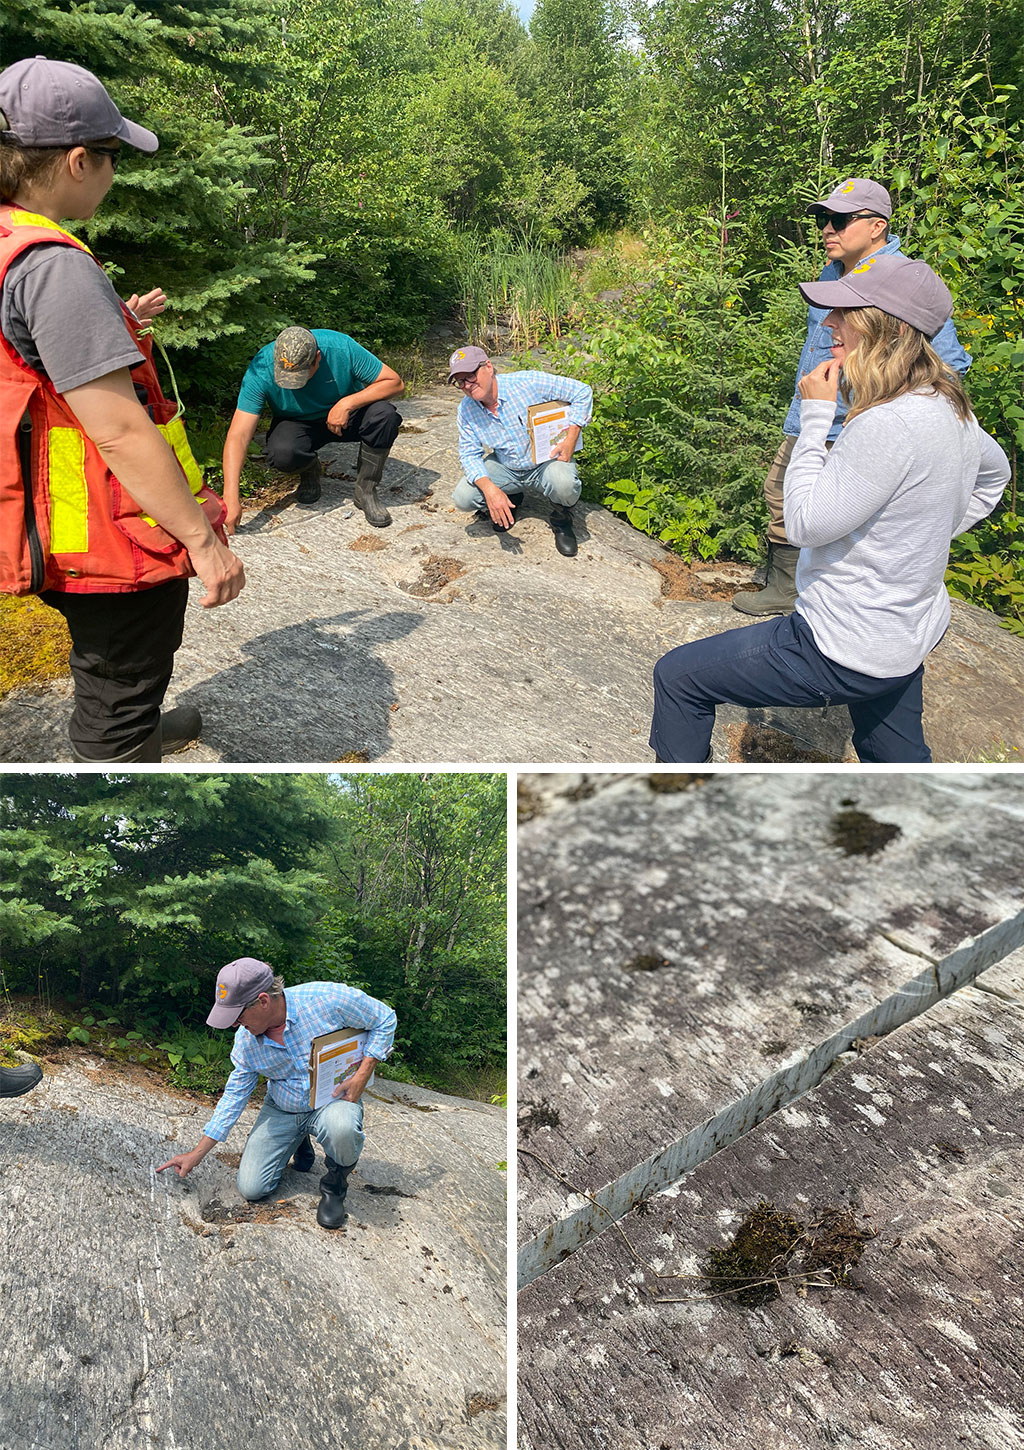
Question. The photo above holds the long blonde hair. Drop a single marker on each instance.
(893, 358)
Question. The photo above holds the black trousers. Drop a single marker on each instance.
(122, 656)
(292, 442)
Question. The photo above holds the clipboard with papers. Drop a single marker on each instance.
(547, 423)
(333, 1057)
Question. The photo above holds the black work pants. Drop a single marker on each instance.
(122, 656)
(292, 442)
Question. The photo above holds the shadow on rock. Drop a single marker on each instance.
(310, 691)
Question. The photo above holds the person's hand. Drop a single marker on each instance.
(351, 1089)
(563, 451)
(337, 418)
(498, 506)
(182, 1163)
(150, 305)
(822, 383)
(220, 570)
(232, 513)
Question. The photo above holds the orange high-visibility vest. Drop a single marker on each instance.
(66, 522)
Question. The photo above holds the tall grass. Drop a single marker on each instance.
(506, 281)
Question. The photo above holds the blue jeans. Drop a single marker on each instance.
(557, 481)
(778, 663)
(337, 1127)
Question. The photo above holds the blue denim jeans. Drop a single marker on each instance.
(337, 1127)
(778, 663)
(557, 481)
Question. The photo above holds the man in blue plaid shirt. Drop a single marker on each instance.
(274, 1027)
(493, 420)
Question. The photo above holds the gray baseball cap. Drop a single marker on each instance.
(904, 288)
(295, 355)
(465, 360)
(238, 984)
(856, 193)
(53, 103)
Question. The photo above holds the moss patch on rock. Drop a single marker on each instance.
(34, 644)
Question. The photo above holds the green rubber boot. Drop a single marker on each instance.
(779, 594)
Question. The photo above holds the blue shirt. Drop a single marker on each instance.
(312, 1008)
(507, 436)
(818, 349)
(344, 368)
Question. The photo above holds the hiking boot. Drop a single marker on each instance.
(305, 1156)
(514, 499)
(308, 490)
(175, 731)
(333, 1188)
(561, 527)
(17, 1080)
(779, 594)
(368, 476)
(178, 728)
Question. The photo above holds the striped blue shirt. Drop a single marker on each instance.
(507, 435)
(312, 1008)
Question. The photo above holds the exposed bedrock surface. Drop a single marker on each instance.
(147, 1313)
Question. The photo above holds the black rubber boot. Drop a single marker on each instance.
(561, 527)
(305, 1157)
(368, 476)
(308, 490)
(760, 578)
(333, 1188)
(779, 594)
(17, 1080)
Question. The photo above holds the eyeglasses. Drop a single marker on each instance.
(238, 1020)
(840, 220)
(114, 152)
(461, 379)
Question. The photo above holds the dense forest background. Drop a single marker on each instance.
(630, 175)
(121, 897)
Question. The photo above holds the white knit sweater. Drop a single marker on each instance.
(874, 519)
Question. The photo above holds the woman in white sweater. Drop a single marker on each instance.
(873, 520)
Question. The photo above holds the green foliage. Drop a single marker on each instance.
(986, 567)
(508, 282)
(130, 892)
(691, 380)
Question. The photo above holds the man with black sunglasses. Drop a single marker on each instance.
(854, 223)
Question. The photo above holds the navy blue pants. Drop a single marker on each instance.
(778, 663)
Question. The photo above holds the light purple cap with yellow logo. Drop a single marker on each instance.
(856, 193)
(465, 360)
(898, 285)
(238, 984)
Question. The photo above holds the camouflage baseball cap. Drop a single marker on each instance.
(295, 357)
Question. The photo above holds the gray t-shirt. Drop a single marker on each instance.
(61, 314)
(874, 519)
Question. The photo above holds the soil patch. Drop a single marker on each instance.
(668, 783)
(858, 834)
(436, 572)
(680, 580)
(646, 962)
(217, 1212)
(367, 543)
(537, 1115)
(760, 744)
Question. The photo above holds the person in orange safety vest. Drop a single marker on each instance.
(103, 510)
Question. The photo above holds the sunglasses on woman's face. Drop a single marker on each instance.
(113, 152)
(839, 220)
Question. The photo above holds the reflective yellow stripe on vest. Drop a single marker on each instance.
(69, 496)
(174, 432)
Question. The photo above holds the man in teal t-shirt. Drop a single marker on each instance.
(318, 386)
